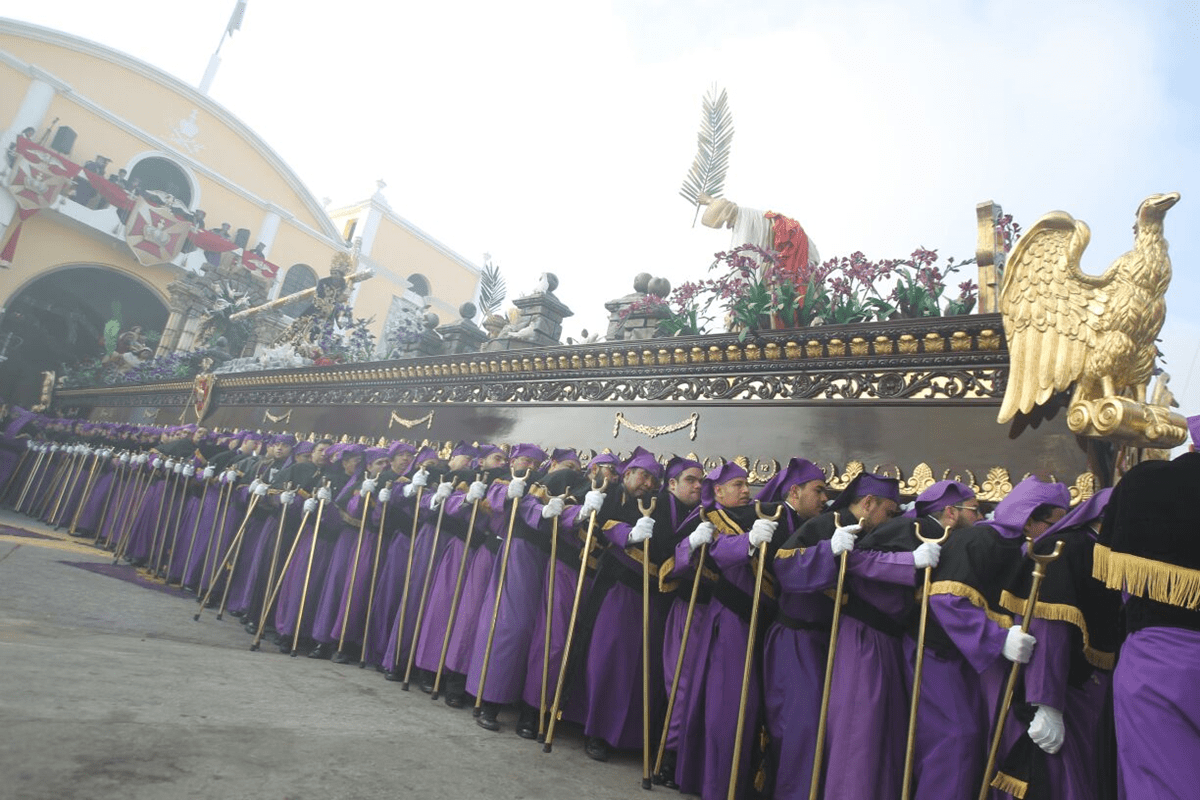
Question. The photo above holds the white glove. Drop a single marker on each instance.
(476, 491)
(310, 505)
(228, 476)
(157, 463)
(189, 470)
(410, 489)
(443, 491)
(421, 478)
(762, 531)
(53, 448)
(208, 473)
(368, 486)
(1018, 646)
(592, 501)
(702, 535)
(324, 494)
(927, 555)
(124, 458)
(261, 490)
(1047, 730)
(553, 507)
(143, 458)
(516, 488)
(178, 468)
(254, 485)
(286, 498)
(643, 529)
(843, 539)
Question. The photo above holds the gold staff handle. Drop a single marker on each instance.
(487, 650)
(906, 792)
(646, 782)
(548, 745)
(741, 720)
(383, 509)
(458, 582)
(549, 624)
(814, 791)
(312, 551)
(412, 545)
(1039, 572)
(362, 526)
(433, 551)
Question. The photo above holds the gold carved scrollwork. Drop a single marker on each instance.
(426, 420)
(653, 431)
(276, 418)
(995, 486)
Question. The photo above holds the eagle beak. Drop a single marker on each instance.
(1164, 201)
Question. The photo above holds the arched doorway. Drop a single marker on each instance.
(298, 278)
(163, 175)
(59, 320)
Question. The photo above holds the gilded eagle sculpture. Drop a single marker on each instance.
(1065, 326)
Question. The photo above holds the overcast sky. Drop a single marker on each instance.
(555, 135)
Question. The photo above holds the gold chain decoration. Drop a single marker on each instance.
(653, 431)
(426, 420)
(269, 417)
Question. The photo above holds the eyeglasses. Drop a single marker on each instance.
(972, 509)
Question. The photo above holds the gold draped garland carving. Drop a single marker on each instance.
(653, 431)
(275, 418)
(426, 420)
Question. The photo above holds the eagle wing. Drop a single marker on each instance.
(1052, 311)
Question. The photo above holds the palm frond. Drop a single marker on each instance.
(491, 288)
(707, 175)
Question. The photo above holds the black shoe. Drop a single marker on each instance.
(251, 627)
(596, 748)
(321, 650)
(393, 675)
(487, 718)
(426, 682)
(285, 646)
(455, 700)
(527, 724)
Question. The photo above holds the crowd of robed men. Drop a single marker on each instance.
(703, 630)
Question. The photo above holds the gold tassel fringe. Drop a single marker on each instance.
(1061, 612)
(1007, 783)
(963, 590)
(1145, 577)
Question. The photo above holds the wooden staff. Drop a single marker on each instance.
(33, 471)
(412, 651)
(45, 493)
(85, 495)
(312, 551)
(814, 791)
(412, 545)
(208, 569)
(181, 481)
(274, 592)
(549, 625)
(266, 609)
(74, 470)
(12, 478)
(741, 720)
(116, 478)
(228, 562)
(142, 490)
(121, 478)
(920, 663)
(1039, 572)
(683, 642)
(195, 530)
(646, 782)
(458, 582)
(562, 668)
(487, 650)
(362, 662)
(170, 468)
(61, 512)
(362, 525)
(36, 476)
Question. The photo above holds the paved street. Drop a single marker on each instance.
(108, 689)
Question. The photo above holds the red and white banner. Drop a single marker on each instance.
(155, 235)
(257, 265)
(38, 177)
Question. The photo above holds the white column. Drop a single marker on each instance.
(266, 234)
(30, 114)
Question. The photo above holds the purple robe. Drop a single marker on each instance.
(517, 611)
